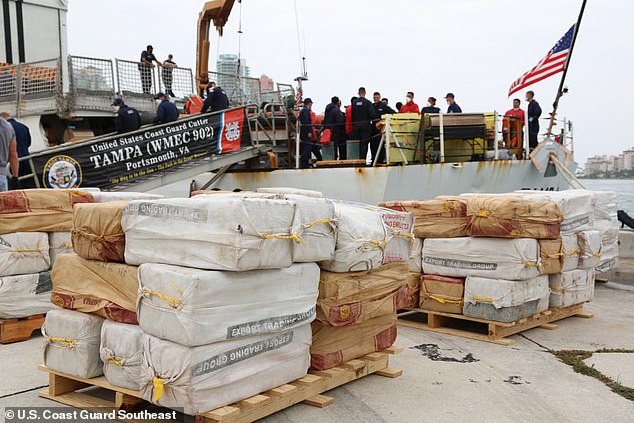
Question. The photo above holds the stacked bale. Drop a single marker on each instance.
(33, 224)
(363, 285)
(498, 265)
(607, 223)
(444, 217)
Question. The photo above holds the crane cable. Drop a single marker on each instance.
(299, 42)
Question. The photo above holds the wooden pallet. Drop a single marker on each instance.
(485, 330)
(16, 330)
(308, 390)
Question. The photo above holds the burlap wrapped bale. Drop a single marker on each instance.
(195, 307)
(570, 288)
(39, 210)
(72, 343)
(495, 258)
(439, 218)
(503, 300)
(121, 351)
(576, 207)
(355, 297)
(25, 295)
(106, 289)
(413, 289)
(199, 379)
(97, 232)
(510, 217)
(589, 249)
(442, 293)
(234, 234)
(550, 251)
(105, 196)
(361, 240)
(335, 345)
(59, 243)
(24, 253)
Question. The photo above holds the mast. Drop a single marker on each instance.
(560, 90)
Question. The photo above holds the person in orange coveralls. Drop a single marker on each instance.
(513, 127)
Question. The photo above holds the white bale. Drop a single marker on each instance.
(570, 288)
(415, 262)
(577, 207)
(294, 191)
(495, 258)
(226, 234)
(199, 379)
(25, 295)
(72, 343)
(59, 243)
(570, 251)
(606, 221)
(589, 249)
(361, 240)
(121, 353)
(195, 307)
(106, 196)
(316, 225)
(24, 253)
(605, 205)
(609, 258)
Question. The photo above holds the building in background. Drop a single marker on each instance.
(266, 83)
(234, 77)
(611, 166)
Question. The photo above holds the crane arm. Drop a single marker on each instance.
(217, 11)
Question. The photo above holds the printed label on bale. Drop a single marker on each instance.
(570, 225)
(239, 354)
(168, 211)
(460, 264)
(270, 325)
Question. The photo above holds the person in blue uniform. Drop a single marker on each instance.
(216, 99)
(23, 141)
(453, 106)
(308, 140)
(363, 113)
(166, 111)
(534, 112)
(127, 118)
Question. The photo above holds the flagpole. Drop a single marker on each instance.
(563, 76)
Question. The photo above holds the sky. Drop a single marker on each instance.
(474, 49)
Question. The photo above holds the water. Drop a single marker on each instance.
(623, 187)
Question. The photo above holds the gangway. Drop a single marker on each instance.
(151, 157)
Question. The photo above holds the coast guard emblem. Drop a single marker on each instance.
(232, 131)
(61, 172)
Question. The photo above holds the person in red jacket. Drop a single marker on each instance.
(513, 124)
(349, 126)
(410, 106)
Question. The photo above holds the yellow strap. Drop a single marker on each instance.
(295, 237)
(482, 299)
(556, 289)
(33, 250)
(596, 254)
(114, 361)
(173, 302)
(318, 222)
(483, 213)
(571, 253)
(158, 388)
(410, 235)
(443, 300)
(531, 264)
(556, 255)
(71, 343)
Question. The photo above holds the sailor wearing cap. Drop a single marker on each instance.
(166, 110)
(126, 119)
(453, 106)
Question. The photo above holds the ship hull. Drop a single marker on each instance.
(373, 185)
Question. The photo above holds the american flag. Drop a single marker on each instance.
(553, 63)
(299, 98)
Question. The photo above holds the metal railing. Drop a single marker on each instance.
(241, 90)
(135, 78)
(92, 83)
(31, 88)
(178, 82)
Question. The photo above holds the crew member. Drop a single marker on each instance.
(431, 106)
(513, 124)
(23, 142)
(8, 155)
(166, 111)
(349, 127)
(381, 105)
(409, 106)
(453, 106)
(145, 68)
(308, 143)
(534, 112)
(127, 118)
(168, 74)
(398, 106)
(335, 120)
(363, 113)
(216, 99)
(382, 109)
